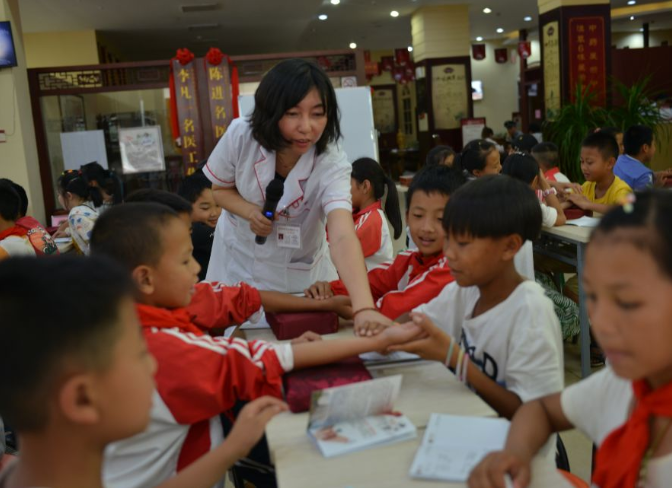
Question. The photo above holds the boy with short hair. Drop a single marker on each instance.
(548, 156)
(640, 147)
(602, 189)
(197, 190)
(88, 380)
(183, 207)
(413, 277)
(199, 377)
(13, 238)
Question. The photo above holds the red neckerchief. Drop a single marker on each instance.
(370, 208)
(620, 455)
(423, 264)
(162, 318)
(550, 174)
(13, 231)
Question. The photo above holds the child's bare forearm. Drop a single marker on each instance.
(324, 352)
(207, 470)
(275, 302)
(503, 401)
(599, 207)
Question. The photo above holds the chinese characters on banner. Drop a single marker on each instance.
(219, 98)
(587, 56)
(187, 112)
(450, 97)
(551, 60)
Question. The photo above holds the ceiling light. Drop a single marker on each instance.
(479, 39)
(641, 30)
(410, 49)
(394, 13)
(353, 45)
(322, 17)
(486, 10)
(528, 19)
(632, 2)
(500, 31)
(632, 17)
(335, 2)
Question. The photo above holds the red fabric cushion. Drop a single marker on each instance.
(288, 326)
(299, 385)
(574, 213)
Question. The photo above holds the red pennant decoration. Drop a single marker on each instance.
(367, 56)
(387, 63)
(478, 52)
(501, 55)
(402, 57)
(525, 49)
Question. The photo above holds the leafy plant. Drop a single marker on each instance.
(572, 124)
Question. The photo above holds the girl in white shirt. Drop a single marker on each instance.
(81, 200)
(626, 409)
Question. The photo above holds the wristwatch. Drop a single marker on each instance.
(550, 191)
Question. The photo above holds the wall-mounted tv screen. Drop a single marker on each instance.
(477, 90)
(7, 51)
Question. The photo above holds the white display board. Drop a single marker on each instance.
(83, 147)
(359, 135)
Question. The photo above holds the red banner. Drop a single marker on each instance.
(188, 116)
(478, 52)
(387, 63)
(501, 55)
(588, 56)
(402, 57)
(525, 49)
(371, 68)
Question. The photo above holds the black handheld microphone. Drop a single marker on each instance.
(274, 192)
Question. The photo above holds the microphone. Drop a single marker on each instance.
(274, 192)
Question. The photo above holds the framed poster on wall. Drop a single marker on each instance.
(450, 95)
(141, 150)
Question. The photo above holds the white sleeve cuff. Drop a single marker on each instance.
(334, 204)
(285, 355)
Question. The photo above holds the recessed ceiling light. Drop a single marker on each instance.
(500, 31)
(394, 13)
(322, 17)
(641, 30)
(335, 2)
(528, 19)
(479, 39)
(410, 49)
(632, 17)
(487, 10)
(353, 45)
(632, 2)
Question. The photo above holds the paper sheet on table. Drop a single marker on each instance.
(453, 445)
(584, 222)
(375, 358)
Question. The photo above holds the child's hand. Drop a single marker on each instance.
(432, 343)
(307, 336)
(579, 200)
(251, 423)
(490, 472)
(319, 290)
(370, 329)
(368, 317)
(62, 230)
(400, 334)
(340, 304)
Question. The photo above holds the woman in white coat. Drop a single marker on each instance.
(292, 135)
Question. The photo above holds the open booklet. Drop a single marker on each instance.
(358, 416)
(584, 222)
(454, 445)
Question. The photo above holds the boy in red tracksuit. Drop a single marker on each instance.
(199, 377)
(413, 277)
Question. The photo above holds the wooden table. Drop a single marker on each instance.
(578, 237)
(427, 387)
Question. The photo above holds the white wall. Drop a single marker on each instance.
(500, 87)
(635, 40)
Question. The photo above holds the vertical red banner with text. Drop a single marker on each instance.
(187, 112)
(588, 56)
(219, 98)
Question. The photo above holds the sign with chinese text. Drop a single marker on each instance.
(219, 98)
(191, 132)
(450, 96)
(587, 56)
(551, 63)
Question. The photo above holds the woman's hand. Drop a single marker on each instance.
(363, 319)
(259, 224)
(319, 290)
(490, 472)
(432, 344)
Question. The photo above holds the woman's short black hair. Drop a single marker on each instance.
(475, 154)
(493, 206)
(283, 88)
(651, 214)
(522, 167)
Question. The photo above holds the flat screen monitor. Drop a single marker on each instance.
(7, 51)
(477, 90)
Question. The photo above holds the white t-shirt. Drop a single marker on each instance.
(517, 343)
(524, 260)
(16, 246)
(548, 215)
(599, 405)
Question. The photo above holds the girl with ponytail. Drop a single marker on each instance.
(80, 199)
(372, 192)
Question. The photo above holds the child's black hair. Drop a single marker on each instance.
(192, 186)
(10, 202)
(23, 196)
(635, 137)
(75, 182)
(487, 132)
(74, 322)
(283, 88)
(475, 154)
(493, 206)
(605, 143)
(612, 131)
(131, 233)
(368, 169)
(522, 167)
(434, 179)
(152, 195)
(651, 213)
(438, 154)
(547, 154)
(106, 179)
